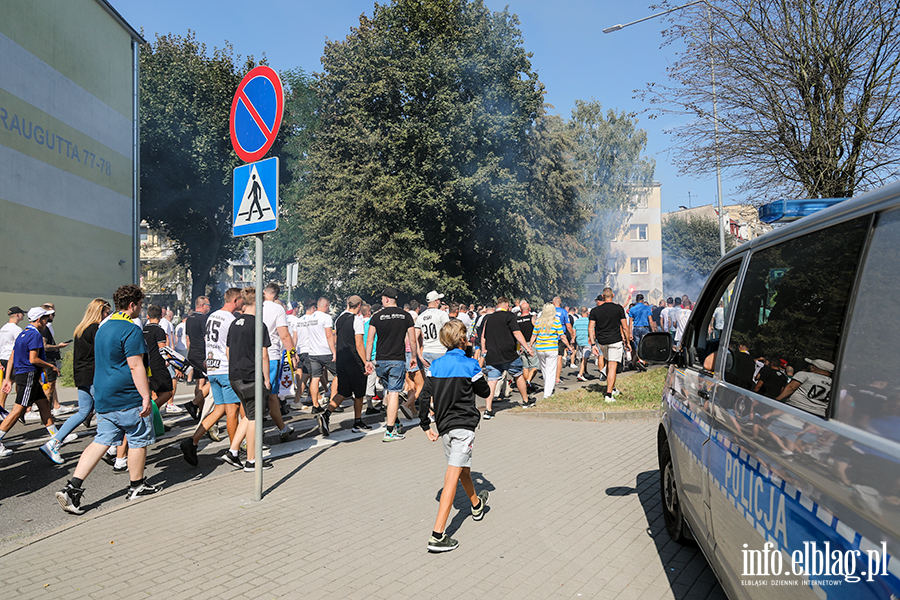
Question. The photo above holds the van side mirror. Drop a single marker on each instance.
(656, 347)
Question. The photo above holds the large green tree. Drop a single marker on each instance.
(690, 247)
(435, 165)
(614, 173)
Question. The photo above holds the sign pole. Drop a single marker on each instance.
(258, 380)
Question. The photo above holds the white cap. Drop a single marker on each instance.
(37, 312)
(433, 295)
(817, 363)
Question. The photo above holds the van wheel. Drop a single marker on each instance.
(671, 503)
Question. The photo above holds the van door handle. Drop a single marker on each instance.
(703, 394)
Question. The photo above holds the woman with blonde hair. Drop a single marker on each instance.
(83, 366)
(548, 332)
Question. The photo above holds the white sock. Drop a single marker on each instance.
(111, 450)
(52, 429)
(2, 433)
(121, 462)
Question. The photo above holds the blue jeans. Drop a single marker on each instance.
(392, 373)
(85, 406)
(637, 333)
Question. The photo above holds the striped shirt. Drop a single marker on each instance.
(548, 337)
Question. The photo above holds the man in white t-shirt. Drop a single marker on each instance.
(810, 390)
(322, 352)
(226, 401)
(681, 320)
(300, 335)
(428, 329)
(8, 334)
(275, 320)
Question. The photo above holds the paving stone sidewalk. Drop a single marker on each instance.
(574, 512)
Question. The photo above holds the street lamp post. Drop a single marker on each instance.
(715, 105)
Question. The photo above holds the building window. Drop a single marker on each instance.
(642, 201)
(637, 233)
(144, 233)
(611, 266)
(640, 265)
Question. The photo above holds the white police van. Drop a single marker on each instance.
(779, 444)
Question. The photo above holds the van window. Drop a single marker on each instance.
(708, 319)
(790, 313)
(870, 366)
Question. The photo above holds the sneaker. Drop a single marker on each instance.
(143, 489)
(360, 427)
(51, 451)
(33, 417)
(122, 469)
(70, 499)
(231, 459)
(443, 544)
(65, 409)
(616, 392)
(580, 378)
(69, 439)
(189, 451)
(317, 410)
(478, 511)
(174, 409)
(286, 434)
(338, 409)
(324, 419)
(4, 451)
(488, 415)
(109, 459)
(406, 412)
(532, 402)
(250, 466)
(213, 433)
(192, 410)
(296, 405)
(609, 398)
(373, 410)
(392, 436)
(398, 427)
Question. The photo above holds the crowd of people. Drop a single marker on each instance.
(424, 361)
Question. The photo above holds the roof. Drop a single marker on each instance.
(121, 20)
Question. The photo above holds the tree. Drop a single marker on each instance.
(435, 165)
(614, 174)
(807, 92)
(690, 247)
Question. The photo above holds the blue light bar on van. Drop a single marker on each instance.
(784, 211)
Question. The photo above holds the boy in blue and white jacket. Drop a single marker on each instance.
(451, 388)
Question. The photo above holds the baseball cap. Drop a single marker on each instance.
(821, 364)
(354, 300)
(433, 295)
(37, 312)
(599, 297)
(390, 292)
(14, 311)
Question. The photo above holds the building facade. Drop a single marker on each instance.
(634, 262)
(68, 154)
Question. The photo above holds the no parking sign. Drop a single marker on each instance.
(256, 113)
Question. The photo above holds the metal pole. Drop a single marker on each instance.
(136, 163)
(712, 67)
(258, 379)
(661, 14)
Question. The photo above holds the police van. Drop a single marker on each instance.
(779, 444)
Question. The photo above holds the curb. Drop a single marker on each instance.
(622, 415)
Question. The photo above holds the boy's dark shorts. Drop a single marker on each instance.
(352, 380)
(244, 390)
(160, 383)
(29, 388)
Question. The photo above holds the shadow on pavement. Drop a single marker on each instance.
(690, 575)
(462, 504)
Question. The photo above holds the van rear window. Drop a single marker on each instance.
(790, 312)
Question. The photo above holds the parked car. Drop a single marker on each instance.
(779, 444)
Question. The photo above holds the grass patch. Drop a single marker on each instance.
(640, 391)
(66, 372)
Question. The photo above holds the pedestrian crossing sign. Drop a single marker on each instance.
(256, 198)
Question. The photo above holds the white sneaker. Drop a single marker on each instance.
(34, 417)
(70, 438)
(67, 410)
(174, 409)
(4, 451)
(296, 405)
(51, 451)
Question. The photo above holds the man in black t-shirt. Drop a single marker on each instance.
(155, 337)
(530, 364)
(393, 326)
(242, 367)
(350, 367)
(195, 340)
(499, 342)
(608, 328)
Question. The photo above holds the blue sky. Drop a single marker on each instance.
(573, 57)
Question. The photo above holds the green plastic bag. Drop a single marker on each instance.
(158, 427)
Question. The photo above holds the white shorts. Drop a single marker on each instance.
(458, 447)
(613, 352)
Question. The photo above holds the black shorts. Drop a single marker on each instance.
(352, 380)
(50, 374)
(161, 382)
(304, 363)
(562, 348)
(244, 390)
(29, 388)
